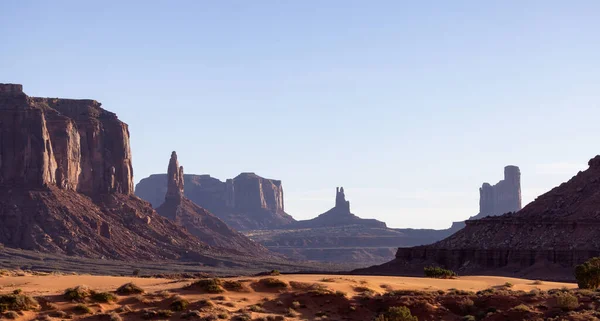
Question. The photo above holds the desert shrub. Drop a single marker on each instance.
(192, 314)
(401, 313)
(438, 272)
(235, 286)
(242, 317)
(103, 297)
(223, 315)
(11, 315)
(129, 289)
(567, 301)
(469, 318)
(179, 304)
(78, 293)
(17, 291)
(82, 308)
(273, 283)
(255, 308)
(206, 303)
(362, 289)
(17, 302)
(136, 272)
(508, 285)
(113, 316)
(164, 313)
(327, 280)
(537, 282)
(291, 313)
(588, 274)
(59, 314)
(521, 308)
(208, 285)
(275, 273)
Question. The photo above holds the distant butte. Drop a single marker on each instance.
(246, 202)
(339, 215)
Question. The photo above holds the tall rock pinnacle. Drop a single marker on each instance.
(174, 178)
(340, 200)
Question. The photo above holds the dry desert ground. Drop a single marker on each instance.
(31, 296)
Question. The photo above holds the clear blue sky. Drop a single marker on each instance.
(408, 105)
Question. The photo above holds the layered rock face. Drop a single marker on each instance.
(198, 221)
(72, 144)
(339, 215)
(245, 202)
(545, 239)
(66, 183)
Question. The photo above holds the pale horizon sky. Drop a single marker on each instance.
(410, 106)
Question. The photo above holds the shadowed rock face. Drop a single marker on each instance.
(71, 144)
(548, 237)
(66, 184)
(200, 222)
(245, 202)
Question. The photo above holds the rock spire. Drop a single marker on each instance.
(174, 178)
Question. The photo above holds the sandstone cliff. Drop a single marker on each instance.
(198, 221)
(245, 202)
(545, 239)
(66, 184)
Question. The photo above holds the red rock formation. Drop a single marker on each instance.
(198, 221)
(246, 202)
(66, 184)
(545, 239)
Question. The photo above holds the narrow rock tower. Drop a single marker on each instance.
(174, 179)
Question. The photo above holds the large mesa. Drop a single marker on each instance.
(66, 184)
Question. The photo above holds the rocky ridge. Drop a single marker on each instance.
(545, 239)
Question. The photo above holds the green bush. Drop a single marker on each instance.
(82, 308)
(78, 293)
(273, 283)
(179, 304)
(129, 289)
(235, 286)
(208, 285)
(588, 274)
(567, 301)
(438, 272)
(401, 313)
(103, 297)
(17, 302)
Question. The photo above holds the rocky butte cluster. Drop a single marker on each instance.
(246, 202)
(545, 239)
(66, 184)
(199, 221)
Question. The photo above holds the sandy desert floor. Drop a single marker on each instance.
(290, 297)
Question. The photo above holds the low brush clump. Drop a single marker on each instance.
(438, 273)
(207, 285)
(234, 286)
(78, 293)
(273, 283)
(17, 302)
(129, 289)
(401, 313)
